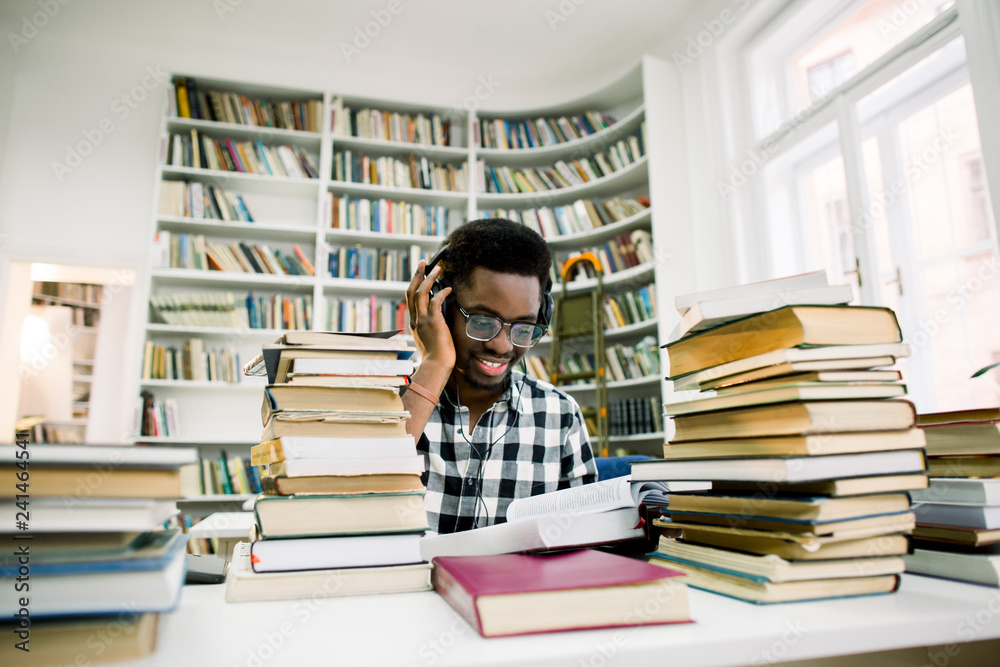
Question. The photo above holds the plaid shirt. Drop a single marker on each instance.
(545, 449)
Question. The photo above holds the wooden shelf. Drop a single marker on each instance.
(231, 279)
(600, 234)
(446, 198)
(383, 147)
(238, 180)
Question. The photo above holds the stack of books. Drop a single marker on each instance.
(86, 553)
(958, 515)
(809, 448)
(342, 511)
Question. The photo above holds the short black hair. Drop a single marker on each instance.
(499, 245)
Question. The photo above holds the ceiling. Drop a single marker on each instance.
(548, 47)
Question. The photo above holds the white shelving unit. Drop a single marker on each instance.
(297, 211)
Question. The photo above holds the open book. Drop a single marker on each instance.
(588, 515)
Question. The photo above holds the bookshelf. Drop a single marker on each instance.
(361, 209)
(83, 302)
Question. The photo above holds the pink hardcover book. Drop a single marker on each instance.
(513, 594)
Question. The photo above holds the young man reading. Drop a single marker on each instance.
(489, 432)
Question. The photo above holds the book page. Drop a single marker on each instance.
(597, 497)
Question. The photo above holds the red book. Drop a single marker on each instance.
(515, 594)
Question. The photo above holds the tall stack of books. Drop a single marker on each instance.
(958, 515)
(342, 510)
(809, 448)
(88, 561)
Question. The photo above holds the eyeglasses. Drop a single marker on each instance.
(486, 327)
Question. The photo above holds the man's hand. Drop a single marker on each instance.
(431, 333)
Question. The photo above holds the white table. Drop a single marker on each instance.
(419, 629)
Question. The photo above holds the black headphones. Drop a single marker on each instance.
(545, 311)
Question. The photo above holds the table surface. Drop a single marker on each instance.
(418, 629)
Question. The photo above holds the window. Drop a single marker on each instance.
(878, 177)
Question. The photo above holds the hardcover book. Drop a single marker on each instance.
(513, 594)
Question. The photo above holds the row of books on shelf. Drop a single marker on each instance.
(633, 416)
(188, 101)
(226, 309)
(250, 157)
(220, 475)
(375, 263)
(429, 129)
(536, 133)
(190, 361)
(178, 250)
(59, 433)
(623, 362)
(413, 172)
(630, 307)
(158, 418)
(365, 315)
(627, 250)
(382, 215)
(73, 291)
(202, 201)
(507, 180)
(580, 216)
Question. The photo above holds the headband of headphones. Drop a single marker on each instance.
(544, 312)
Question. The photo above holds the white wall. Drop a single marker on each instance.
(69, 78)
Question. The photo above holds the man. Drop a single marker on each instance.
(489, 432)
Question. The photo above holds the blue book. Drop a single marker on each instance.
(112, 586)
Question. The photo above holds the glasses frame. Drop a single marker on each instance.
(467, 315)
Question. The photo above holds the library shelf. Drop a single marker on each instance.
(600, 234)
(242, 230)
(634, 175)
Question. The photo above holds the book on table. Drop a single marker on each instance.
(965, 516)
(791, 326)
(791, 469)
(91, 515)
(786, 361)
(707, 313)
(245, 585)
(774, 288)
(592, 514)
(796, 445)
(282, 397)
(964, 466)
(978, 415)
(334, 424)
(383, 465)
(957, 535)
(102, 471)
(797, 546)
(292, 447)
(375, 346)
(817, 508)
(514, 594)
(280, 485)
(85, 640)
(805, 391)
(960, 491)
(982, 567)
(854, 486)
(962, 439)
(796, 418)
(884, 523)
(775, 568)
(148, 582)
(807, 378)
(760, 590)
(334, 552)
(325, 515)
